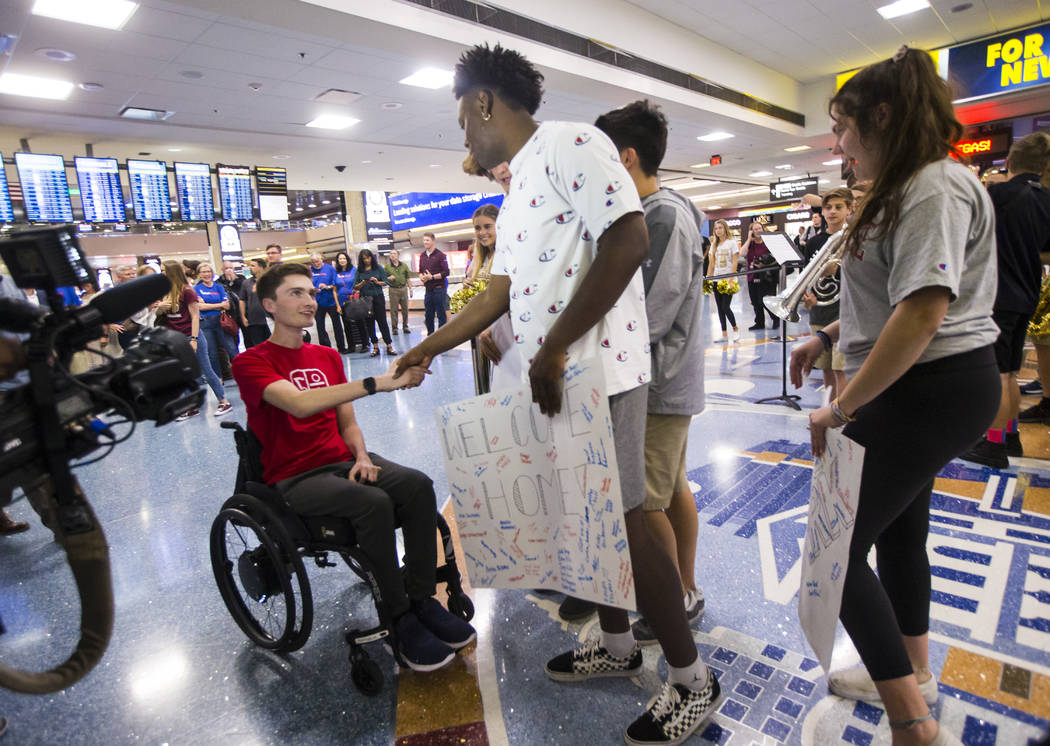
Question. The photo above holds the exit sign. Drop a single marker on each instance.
(716, 160)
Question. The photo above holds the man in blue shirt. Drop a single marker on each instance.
(325, 282)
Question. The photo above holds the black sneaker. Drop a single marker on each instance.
(694, 609)
(443, 624)
(673, 714)
(1037, 413)
(756, 327)
(419, 648)
(1013, 445)
(575, 609)
(988, 453)
(592, 661)
(1032, 387)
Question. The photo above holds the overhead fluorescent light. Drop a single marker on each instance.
(797, 148)
(756, 174)
(714, 207)
(715, 136)
(701, 165)
(332, 122)
(692, 184)
(784, 166)
(835, 162)
(30, 85)
(902, 8)
(429, 77)
(155, 115)
(111, 14)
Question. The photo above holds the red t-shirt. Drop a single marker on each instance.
(291, 445)
(182, 321)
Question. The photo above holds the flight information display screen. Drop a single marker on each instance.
(44, 187)
(7, 211)
(100, 192)
(193, 186)
(273, 192)
(149, 190)
(235, 192)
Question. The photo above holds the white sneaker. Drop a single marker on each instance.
(224, 408)
(856, 683)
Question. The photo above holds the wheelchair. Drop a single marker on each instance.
(258, 546)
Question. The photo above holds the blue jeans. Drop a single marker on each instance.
(204, 353)
(211, 328)
(434, 304)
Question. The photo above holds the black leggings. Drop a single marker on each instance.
(759, 289)
(722, 302)
(934, 412)
(378, 317)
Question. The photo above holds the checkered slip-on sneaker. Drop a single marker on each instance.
(592, 661)
(674, 713)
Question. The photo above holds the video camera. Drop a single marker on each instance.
(57, 416)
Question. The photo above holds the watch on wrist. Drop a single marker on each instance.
(370, 385)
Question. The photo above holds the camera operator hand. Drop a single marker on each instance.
(12, 357)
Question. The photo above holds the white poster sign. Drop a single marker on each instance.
(832, 512)
(537, 498)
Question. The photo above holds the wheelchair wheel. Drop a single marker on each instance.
(261, 576)
(461, 605)
(366, 674)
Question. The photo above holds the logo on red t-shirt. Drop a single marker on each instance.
(308, 378)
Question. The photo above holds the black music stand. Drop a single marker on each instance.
(784, 397)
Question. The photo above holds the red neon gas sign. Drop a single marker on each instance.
(969, 147)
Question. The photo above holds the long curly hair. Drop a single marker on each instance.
(919, 127)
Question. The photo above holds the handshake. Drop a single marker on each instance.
(398, 377)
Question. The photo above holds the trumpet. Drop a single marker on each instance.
(819, 277)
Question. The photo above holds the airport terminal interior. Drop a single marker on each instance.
(330, 126)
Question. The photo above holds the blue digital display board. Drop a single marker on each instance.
(44, 187)
(149, 190)
(235, 192)
(1010, 62)
(193, 186)
(7, 212)
(100, 191)
(420, 209)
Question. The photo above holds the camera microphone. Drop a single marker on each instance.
(119, 303)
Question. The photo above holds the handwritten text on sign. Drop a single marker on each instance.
(832, 513)
(537, 498)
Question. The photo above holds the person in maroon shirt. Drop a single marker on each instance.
(760, 284)
(313, 452)
(433, 271)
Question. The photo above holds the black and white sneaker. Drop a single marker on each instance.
(694, 610)
(593, 661)
(674, 713)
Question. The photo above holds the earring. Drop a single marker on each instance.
(486, 116)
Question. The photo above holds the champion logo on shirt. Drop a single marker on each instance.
(566, 217)
(608, 203)
(530, 290)
(641, 379)
(537, 201)
(539, 341)
(606, 344)
(525, 317)
(548, 255)
(582, 139)
(586, 236)
(942, 267)
(613, 188)
(578, 182)
(571, 271)
(622, 357)
(523, 236)
(514, 295)
(556, 307)
(632, 325)
(519, 339)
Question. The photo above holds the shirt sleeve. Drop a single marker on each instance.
(444, 265)
(222, 292)
(928, 247)
(189, 295)
(253, 373)
(585, 168)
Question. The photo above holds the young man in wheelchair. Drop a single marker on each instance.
(299, 407)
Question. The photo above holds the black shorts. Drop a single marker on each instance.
(1009, 347)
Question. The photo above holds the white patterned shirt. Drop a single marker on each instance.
(567, 188)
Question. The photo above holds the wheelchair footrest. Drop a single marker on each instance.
(357, 637)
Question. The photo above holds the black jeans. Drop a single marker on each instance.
(930, 415)
(758, 287)
(722, 302)
(322, 333)
(399, 497)
(378, 317)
